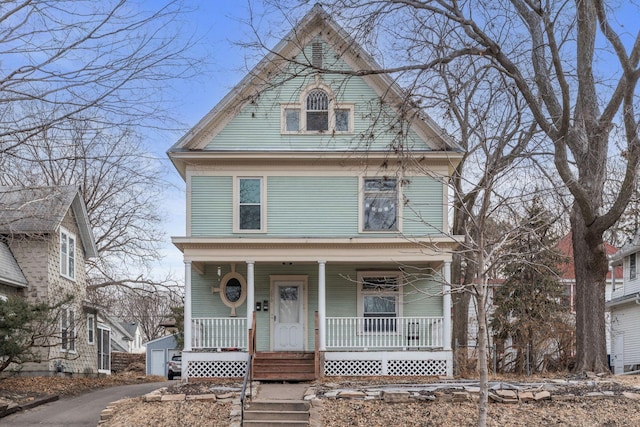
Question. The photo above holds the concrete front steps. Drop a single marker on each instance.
(274, 413)
(284, 366)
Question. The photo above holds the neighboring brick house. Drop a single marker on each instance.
(45, 239)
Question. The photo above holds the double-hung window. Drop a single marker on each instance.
(67, 254)
(379, 300)
(91, 329)
(67, 329)
(250, 204)
(380, 204)
(632, 267)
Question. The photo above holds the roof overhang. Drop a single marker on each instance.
(624, 300)
(183, 158)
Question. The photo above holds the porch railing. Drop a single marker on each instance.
(384, 332)
(219, 333)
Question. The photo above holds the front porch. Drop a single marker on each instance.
(361, 308)
(355, 346)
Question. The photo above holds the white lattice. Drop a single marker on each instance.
(216, 369)
(345, 368)
(416, 367)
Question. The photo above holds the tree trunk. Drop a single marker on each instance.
(460, 302)
(591, 268)
(482, 356)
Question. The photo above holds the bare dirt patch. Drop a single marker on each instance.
(578, 408)
(24, 389)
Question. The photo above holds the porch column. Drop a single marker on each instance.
(250, 293)
(322, 306)
(187, 306)
(446, 306)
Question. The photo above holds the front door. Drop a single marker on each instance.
(288, 315)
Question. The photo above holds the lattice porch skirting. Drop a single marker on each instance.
(214, 364)
(388, 363)
(234, 365)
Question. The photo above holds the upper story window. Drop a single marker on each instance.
(250, 204)
(317, 112)
(380, 204)
(67, 254)
(632, 266)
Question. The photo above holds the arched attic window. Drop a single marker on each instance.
(316, 113)
(317, 110)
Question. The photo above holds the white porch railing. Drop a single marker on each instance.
(219, 333)
(368, 333)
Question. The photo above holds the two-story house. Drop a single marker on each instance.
(624, 308)
(317, 221)
(45, 238)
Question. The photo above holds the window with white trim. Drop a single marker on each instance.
(67, 254)
(250, 204)
(379, 300)
(632, 267)
(380, 204)
(68, 329)
(91, 329)
(317, 112)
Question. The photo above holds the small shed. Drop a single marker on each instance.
(159, 352)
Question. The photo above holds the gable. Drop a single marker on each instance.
(249, 118)
(259, 123)
(41, 210)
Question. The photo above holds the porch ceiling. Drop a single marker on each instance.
(201, 249)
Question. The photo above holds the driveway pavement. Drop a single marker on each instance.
(78, 411)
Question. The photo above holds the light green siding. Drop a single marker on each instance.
(312, 206)
(423, 208)
(309, 206)
(421, 295)
(211, 205)
(257, 126)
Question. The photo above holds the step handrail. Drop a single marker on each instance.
(248, 375)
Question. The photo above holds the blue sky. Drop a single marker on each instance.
(218, 26)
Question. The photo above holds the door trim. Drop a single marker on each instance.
(305, 312)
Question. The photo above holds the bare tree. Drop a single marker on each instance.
(121, 184)
(105, 62)
(81, 81)
(144, 305)
(575, 96)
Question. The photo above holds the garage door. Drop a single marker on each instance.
(157, 363)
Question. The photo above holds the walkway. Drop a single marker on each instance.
(280, 391)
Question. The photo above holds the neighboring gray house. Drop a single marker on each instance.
(45, 238)
(134, 330)
(126, 337)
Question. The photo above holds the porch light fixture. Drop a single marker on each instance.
(233, 289)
